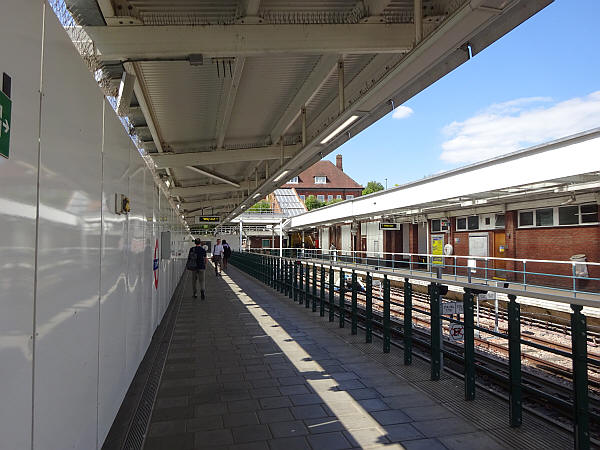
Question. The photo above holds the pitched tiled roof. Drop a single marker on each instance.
(336, 178)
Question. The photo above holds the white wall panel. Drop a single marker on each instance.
(68, 279)
(113, 377)
(346, 239)
(18, 191)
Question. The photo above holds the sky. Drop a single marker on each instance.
(538, 83)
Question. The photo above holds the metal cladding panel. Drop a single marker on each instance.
(68, 277)
(113, 377)
(18, 183)
(135, 264)
(151, 294)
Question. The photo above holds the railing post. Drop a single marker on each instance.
(314, 287)
(291, 267)
(580, 379)
(369, 309)
(295, 284)
(469, 345)
(354, 327)
(300, 283)
(436, 324)
(331, 287)
(407, 322)
(307, 288)
(514, 361)
(322, 296)
(386, 314)
(342, 299)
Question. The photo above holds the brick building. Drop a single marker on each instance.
(326, 181)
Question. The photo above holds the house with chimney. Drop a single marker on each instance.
(326, 181)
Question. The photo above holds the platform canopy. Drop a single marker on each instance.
(232, 98)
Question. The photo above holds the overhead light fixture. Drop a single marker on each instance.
(339, 129)
(243, 206)
(256, 195)
(281, 175)
(168, 182)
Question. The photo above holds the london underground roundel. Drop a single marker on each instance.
(155, 265)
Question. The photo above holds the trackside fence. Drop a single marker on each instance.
(316, 285)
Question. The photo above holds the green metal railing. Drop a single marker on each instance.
(292, 278)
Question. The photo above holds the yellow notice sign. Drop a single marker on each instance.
(437, 248)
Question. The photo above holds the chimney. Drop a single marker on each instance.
(338, 162)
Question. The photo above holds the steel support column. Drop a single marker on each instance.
(514, 361)
(580, 379)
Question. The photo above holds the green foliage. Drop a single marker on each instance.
(312, 203)
(262, 206)
(372, 186)
(335, 200)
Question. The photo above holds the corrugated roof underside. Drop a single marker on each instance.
(268, 84)
(185, 99)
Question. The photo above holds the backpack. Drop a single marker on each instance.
(195, 256)
(227, 250)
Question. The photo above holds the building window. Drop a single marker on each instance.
(589, 213)
(499, 221)
(349, 197)
(266, 243)
(293, 180)
(544, 217)
(467, 223)
(321, 198)
(560, 216)
(329, 197)
(338, 196)
(438, 225)
(302, 197)
(320, 180)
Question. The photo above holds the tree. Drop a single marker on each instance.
(312, 203)
(372, 186)
(334, 200)
(262, 206)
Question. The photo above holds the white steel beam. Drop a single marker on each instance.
(165, 160)
(214, 176)
(191, 206)
(155, 41)
(227, 106)
(193, 191)
(322, 71)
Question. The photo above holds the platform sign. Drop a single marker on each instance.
(5, 110)
(389, 226)
(449, 308)
(456, 332)
(208, 219)
(437, 248)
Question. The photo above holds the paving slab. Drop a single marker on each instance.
(250, 369)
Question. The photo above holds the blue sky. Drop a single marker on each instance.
(538, 83)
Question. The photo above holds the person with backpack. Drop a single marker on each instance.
(226, 254)
(196, 263)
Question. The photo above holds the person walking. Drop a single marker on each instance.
(226, 254)
(196, 263)
(217, 257)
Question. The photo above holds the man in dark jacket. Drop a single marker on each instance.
(197, 262)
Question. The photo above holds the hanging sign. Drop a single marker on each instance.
(5, 112)
(208, 219)
(389, 226)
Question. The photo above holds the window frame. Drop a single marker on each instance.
(350, 197)
(556, 217)
(466, 218)
(294, 180)
(321, 197)
(323, 177)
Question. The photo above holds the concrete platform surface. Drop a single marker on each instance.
(250, 369)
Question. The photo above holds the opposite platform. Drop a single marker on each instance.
(250, 369)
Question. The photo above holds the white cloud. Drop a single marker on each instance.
(402, 112)
(505, 127)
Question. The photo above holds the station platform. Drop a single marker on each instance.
(248, 368)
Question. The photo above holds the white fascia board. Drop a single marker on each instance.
(577, 157)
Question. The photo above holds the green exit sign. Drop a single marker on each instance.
(5, 107)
